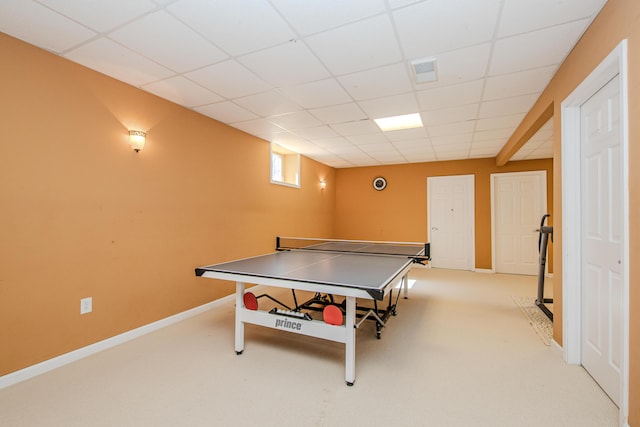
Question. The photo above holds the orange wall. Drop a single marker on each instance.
(618, 20)
(399, 212)
(84, 215)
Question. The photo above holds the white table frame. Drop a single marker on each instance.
(345, 334)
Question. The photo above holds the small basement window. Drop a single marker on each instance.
(285, 166)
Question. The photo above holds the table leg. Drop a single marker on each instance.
(350, 341)
(405, 283)
(239, 322)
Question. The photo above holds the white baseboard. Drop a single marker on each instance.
(65, 359)
(483, 270)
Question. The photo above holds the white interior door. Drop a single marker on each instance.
(602, 219)
(577, 322)
(519, 201)
(451, 221)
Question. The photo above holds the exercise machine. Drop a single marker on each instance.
(543, 241)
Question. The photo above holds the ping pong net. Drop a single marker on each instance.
(418, 252)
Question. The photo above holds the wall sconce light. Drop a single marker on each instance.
(323, 184)
(137, 139)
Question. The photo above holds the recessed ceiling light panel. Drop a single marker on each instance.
(407, 121)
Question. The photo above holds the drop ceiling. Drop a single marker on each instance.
(312, 75)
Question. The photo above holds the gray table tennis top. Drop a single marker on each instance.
(345, 267)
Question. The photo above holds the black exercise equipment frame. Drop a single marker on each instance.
(543, 241)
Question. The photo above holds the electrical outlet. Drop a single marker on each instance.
(86, 305)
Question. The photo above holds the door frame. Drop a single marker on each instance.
(543, 196)
(614, 64)
(471, 200)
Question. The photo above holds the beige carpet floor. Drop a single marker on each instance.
(460, 353)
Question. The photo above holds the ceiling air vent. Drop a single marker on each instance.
(424, 70)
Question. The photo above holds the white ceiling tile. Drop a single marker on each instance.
(451, 139)
(396, 4)
(359, 127)
(505, 106)
(542, 152)
(231, 25)
(388, 158)
(369, 139)
(452, 155)
(390, 106)
(535, 49)
(169, 42)
(182, 91)
(317, 133)
(336, 162)
(479, 153)
(384, 81)
(495, 144)
(461, 150)
(365, 161)
(515, 84)
(339, 113)
(423, 158)
(453, 128)
(328, 157)
(39, 25)
(450, 115)
(533, 145)
(317, 94)
(415, 153)
(414, 146)
(380, 147)
(350, 149)
(541, 138)
(450, 96)
(283, 53)
(312, 17)
(406, 134)
(261, 127)
(331, 143)
(436, 26)
(492, 135)
(311, 150)
(294, 142)
(101, 16)
(268, 103)
(459, 66)
(523, 152)
(226, 112)
(356, 47)
(229, 79)
(519, 16)
(296, 120)
(288, 64)
(118, 62)
(511, 121)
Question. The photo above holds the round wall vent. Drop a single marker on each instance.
(379, 183)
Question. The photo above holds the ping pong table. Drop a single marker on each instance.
(330, 269)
